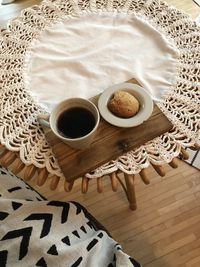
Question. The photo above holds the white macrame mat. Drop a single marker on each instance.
(45, 58)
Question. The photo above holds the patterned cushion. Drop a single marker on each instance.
(37, 232)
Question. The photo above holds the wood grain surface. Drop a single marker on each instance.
(109, 143)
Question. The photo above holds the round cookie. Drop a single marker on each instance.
(123, 104)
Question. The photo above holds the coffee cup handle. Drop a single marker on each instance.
(43, 120)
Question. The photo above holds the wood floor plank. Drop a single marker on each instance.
(178, 257)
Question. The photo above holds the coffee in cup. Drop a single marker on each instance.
(74, 121)
(81, 122)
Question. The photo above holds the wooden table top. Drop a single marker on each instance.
(109, 143)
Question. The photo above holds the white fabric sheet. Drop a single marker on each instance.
(84, 55)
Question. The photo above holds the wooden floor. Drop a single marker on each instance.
(165, 229)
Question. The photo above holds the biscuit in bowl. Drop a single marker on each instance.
(123, 104)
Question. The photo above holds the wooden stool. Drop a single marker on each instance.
(126, 181)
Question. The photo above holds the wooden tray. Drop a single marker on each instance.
(110, 142)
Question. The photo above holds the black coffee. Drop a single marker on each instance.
(75, 122)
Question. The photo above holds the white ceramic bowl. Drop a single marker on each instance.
(144, 98)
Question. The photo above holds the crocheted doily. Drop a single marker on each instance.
(19, 129)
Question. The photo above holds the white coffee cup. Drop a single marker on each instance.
(51, 121)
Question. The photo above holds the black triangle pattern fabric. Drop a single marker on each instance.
(14, 189)
(41, 263)
(134, 262)
(66, 240)
(77, 262)
(100, 235)
(65, 209)
(16, 205)
(24, 237)
(46, 218)
(90, 224)
(3, 258)
(76, 233)
(83, 229)
(92, 244)
(3, 215)
(52, 233)
(53, 250)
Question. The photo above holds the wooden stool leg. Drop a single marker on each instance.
(114, 181)
(17, 166)
(84, 184)
(184, 154)
(68, 185)
(29, 172)
(159, 169)
(173, 163)
(42, 176)
(129, 180)
(99, 185)
(54, 182)
(195, 147)
(144, 177)
(8, 158)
